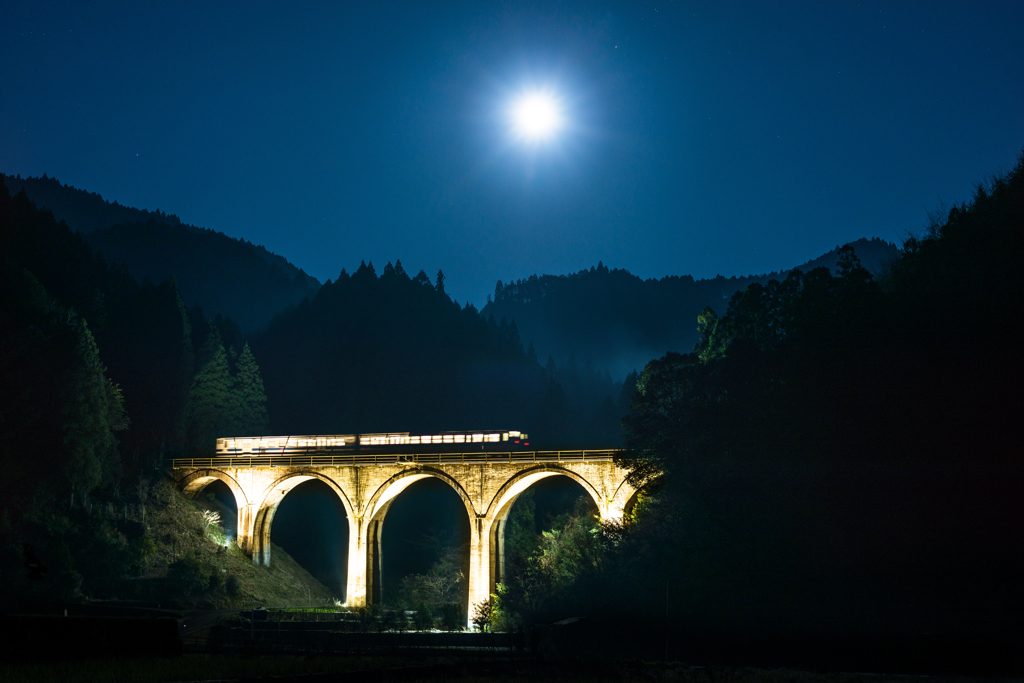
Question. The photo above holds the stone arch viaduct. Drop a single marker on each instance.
(488, 482)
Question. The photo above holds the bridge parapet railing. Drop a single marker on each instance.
(355, 459)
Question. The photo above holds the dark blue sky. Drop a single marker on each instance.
(701, 138)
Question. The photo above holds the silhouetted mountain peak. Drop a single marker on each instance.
(233, 277)
(87, 212)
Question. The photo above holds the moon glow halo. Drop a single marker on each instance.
(536, 116)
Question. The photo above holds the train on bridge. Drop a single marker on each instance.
(487, 469)
(367, 444)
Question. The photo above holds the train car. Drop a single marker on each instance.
(508, 440)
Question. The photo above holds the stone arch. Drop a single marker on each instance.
(192, 484)
(271, 499)
(371, 525)
(623, 500)
(378, 504)
(510, 490)
(501, 504)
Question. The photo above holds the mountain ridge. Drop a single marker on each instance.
(213, 270)
(609, 317)
(619, 321)
(73, 205)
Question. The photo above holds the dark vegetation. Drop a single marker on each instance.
(100, 379)
(616, 322)
(296, 668)
(371, 352)
(836, 464)
(544, 539)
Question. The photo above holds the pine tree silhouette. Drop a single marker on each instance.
(252, 399)
(212, 407)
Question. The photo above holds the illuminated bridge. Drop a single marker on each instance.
(488, 470)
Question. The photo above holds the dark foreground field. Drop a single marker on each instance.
(298, 645)
(288, 669)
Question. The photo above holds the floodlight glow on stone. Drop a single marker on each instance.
(536, 116)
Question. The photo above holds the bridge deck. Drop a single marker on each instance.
(321, 459)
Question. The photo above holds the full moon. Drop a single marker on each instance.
(536, 116)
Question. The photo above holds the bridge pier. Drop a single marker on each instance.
(358, 560)
(498, 551)
(480, 565)
(244, 529)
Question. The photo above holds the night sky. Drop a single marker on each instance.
(698, 138)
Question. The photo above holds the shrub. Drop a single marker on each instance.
(483, 612)
(422, 618)
(453, 616)
(188, 578)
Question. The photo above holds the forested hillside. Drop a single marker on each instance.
(617, 321)
(394, 352)
(101, 379)
(836, 467)
(224, 275)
